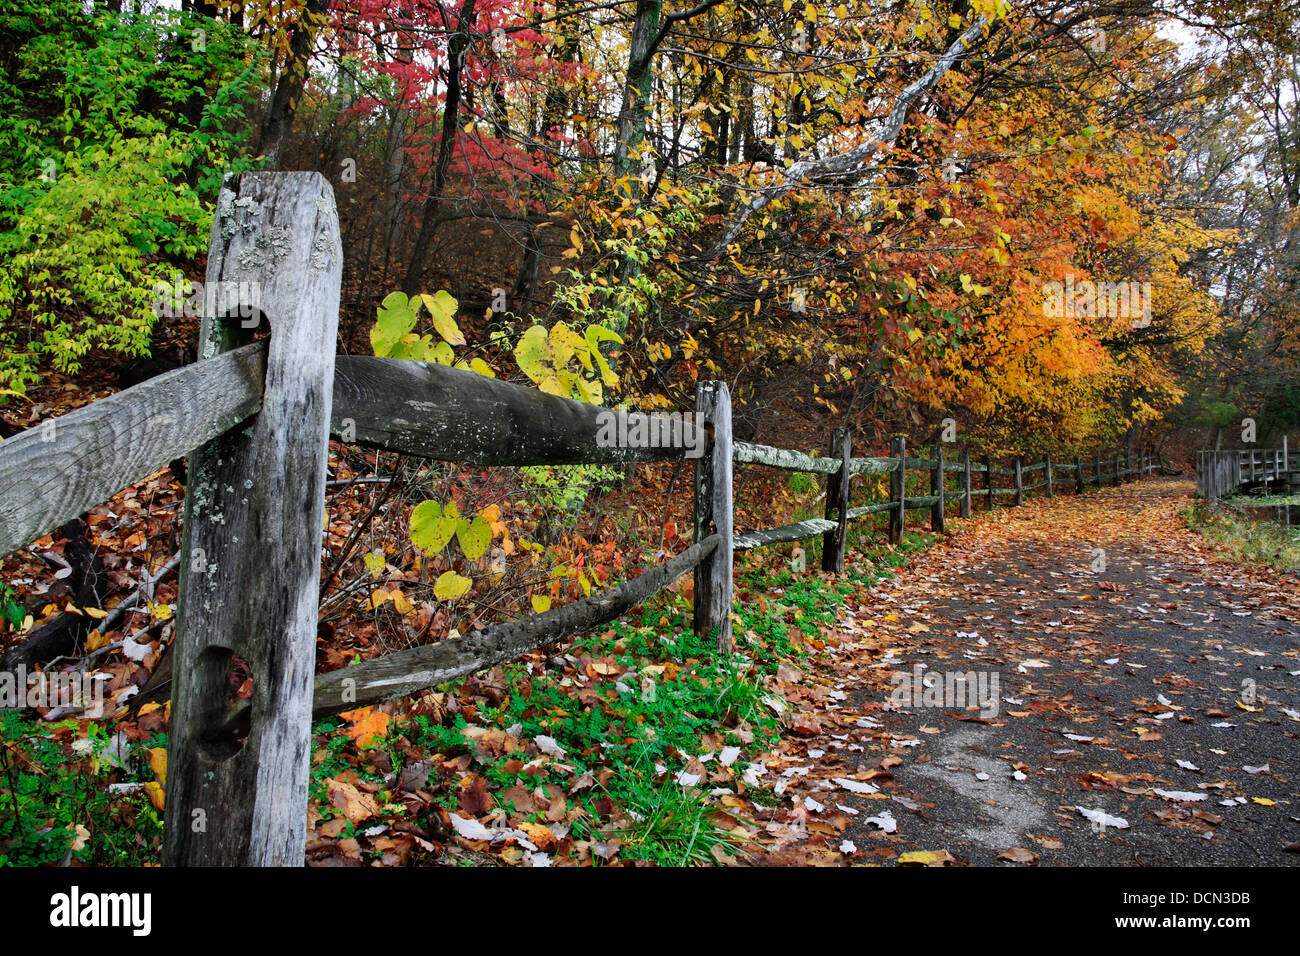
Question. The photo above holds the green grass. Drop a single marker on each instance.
(1263, 502)
(635, 735)
(11, 610)
(45, 798)
(1246, 540)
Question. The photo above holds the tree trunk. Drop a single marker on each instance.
(289, 87)
(429, 219)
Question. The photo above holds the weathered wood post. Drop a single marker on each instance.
(988, 475)
(1286, 461)
(897, 489)
(1116, 469)
(254, 509)
(713, 514)
(936, 488)
(1128, 461)
(1020, 484)
(965, 484)
(837, 502)
(1096, 471)
(1047, 469)
(1078, 475)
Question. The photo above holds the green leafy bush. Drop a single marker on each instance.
(114, 133)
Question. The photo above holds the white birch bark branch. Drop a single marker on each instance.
(852, 165)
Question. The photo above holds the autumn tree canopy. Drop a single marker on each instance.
(867, 206)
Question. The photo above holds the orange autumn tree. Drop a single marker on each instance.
(1041, 192)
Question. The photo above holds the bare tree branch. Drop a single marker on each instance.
(851, 165)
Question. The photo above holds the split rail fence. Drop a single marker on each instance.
(256, 417)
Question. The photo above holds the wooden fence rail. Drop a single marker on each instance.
(256, 418)
(1223, 474)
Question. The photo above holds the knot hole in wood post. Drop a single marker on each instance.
(254, 510)
(713, 515)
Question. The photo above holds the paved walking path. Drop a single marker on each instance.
(1137, 675)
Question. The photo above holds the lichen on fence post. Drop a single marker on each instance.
(965, 484)
(898, 491)
(713, 514)
(936, 488)
(837, 501)
(254, 509)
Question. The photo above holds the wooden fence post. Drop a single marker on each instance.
(1096, 471)
(897, 489)
(1116, 469)
(988, 474)
(254, 508)
(837, 502)
(1020, 484)
(965, 484)
(1078, 475)
(713, 515)
(936, 488)
(1047, 468)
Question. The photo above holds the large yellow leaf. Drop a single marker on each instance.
(450, 586)
(926, 858)
(158, 764)
(431, 528)
(474, 537)
(443, 309)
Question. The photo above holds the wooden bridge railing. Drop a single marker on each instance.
(1222, 474)
(256, 416)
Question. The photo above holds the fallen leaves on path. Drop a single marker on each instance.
(1107, 637)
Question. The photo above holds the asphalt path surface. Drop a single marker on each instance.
(1135, 679)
